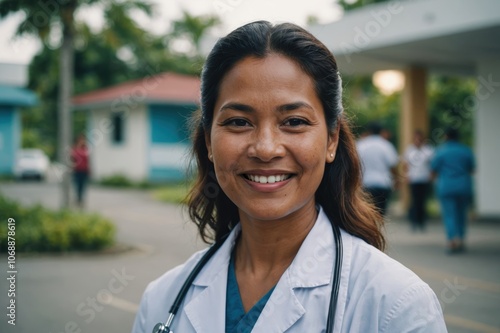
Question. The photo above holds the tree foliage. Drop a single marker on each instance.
(354, 4)
(451, 104)
(364, 103)
(192, 28)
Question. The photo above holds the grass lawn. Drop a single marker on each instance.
(172, 193)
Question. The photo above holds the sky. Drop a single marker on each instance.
(233, 13)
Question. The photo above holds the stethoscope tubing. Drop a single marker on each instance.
(336, 275)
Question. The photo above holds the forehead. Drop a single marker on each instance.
(270, 73)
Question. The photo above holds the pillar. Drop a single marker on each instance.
(487, 138)
(413, 116)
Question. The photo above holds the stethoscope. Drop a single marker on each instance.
(165, 327)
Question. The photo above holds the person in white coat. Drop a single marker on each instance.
(278, 188)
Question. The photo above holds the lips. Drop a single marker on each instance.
(271, 179)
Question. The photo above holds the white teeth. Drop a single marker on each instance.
(271, 179)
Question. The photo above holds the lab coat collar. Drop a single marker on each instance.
(312, 267)
(207, 310)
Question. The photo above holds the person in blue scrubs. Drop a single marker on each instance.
(277, 168)
(452, 167)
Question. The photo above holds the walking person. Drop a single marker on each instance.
(452, 167)
(379, 160)
(81, 169)
(297, 247)
(417, 165)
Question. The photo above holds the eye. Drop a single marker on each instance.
(236, 122)
(295, 122)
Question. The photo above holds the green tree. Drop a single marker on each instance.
(354, 4)
(41, 18)
(193, 28)
(364, 103)
(451, 104)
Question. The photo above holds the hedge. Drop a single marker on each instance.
(41, 230)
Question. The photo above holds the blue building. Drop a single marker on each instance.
(139, 128)
(12, 97)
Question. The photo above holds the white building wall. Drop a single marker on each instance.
(174, 156)
(488, 138)
(128, 158)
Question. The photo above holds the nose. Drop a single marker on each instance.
(266, 144)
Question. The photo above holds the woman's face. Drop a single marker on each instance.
(269, 140)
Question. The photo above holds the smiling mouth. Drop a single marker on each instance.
(268, 179)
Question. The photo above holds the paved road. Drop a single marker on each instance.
(100, 293)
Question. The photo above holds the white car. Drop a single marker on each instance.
(31, 163)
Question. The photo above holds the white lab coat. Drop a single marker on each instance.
(377, 294)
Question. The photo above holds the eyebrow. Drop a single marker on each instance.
(294, 106)
(282, 108)
(237, 107)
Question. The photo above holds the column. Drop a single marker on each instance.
(413, 116)
(487, 138)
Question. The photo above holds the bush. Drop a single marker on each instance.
(117, 180)
(40, 230)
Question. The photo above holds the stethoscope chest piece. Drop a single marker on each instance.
(161, 328)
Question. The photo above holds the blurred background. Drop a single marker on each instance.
(125, 76)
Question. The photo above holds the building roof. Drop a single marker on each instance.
(168, 88)
(16, 96)
(445, 36)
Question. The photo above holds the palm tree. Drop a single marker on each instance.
(193, 28)
(40, 19)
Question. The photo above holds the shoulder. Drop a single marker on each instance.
(373, 268)
(167, 283)
(439, 151)
(389, 293)
(160, 295)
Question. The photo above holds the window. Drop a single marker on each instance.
(117, 135)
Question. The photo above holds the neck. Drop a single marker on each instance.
(268, 247)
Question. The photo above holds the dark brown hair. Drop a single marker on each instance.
(340, 192)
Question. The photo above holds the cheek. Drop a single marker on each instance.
(226, 156)
(311, 153)
(225, 170)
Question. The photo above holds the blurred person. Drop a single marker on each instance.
(81, 169)
(379, 161)
(386, 134)
(278, 185)
(417, 166)
(452, 167)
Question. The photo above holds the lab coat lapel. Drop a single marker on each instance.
(311, 268)
(282, 310)
(206, 311)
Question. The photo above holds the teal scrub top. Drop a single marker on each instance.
(237, 321)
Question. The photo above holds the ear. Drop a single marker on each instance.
(208, 142)
(333, 142)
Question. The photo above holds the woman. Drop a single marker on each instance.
(81, 170)
(452, 167)
(277, 173)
